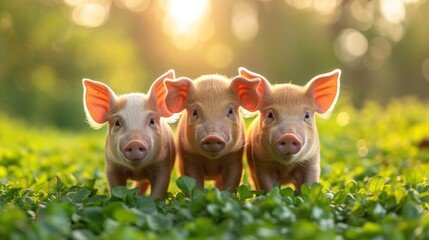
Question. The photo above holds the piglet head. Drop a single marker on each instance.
(214, 124)
(286, 122)
(134, 135)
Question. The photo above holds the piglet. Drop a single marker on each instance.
(139, 143)
(282, 142)
(210, 133)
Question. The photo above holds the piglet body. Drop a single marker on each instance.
(139, 143)
(283, 142)
(210, 135)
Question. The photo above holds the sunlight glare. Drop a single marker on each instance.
(393, 10)
(185, 16)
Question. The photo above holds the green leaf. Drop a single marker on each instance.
(340, 197)
(410, 211)
(186, 184)
(120, 192)
(244, 192)
(145, 204)
(376, 184)
(287, 192)
(351, 186)
(80, 196)
(305, 189)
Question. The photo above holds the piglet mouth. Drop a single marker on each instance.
(135, 150)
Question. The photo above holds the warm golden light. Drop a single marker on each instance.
(245, 21)
(90, 13)
(133, 5)
(343, 119)
(185, 16)
(219, 55)
(350, 45)
(393, 10)
(184, 19)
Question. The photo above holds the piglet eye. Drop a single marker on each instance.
(269, 117)
(195, 113)
(230, 112)
(152, 121)
(307, 116)
(117, 124)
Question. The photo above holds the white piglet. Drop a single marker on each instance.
(283, 142)
(139, 143)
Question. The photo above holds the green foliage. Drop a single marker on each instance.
(374, 185)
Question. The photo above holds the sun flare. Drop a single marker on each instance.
(185, 16)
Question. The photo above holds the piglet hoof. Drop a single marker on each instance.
(135, 150)
(288, 144)
(213, 143)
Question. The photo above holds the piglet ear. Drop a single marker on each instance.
(158, 93)
(263, 89)
(177, 92)
(97, 99)
(324, 90)
(246, 92)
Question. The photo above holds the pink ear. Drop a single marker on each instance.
(97, 99)
(324, 89)
(158, 93)
(177, 93)
(263, 87)
(246, 92)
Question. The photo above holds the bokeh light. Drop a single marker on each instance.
(393, 10)
(343, 118)
(133, 5)
(363, 12)
(350, 45)
(90, 13)
(362, 148)
(245, 21)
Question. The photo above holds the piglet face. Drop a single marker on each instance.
(287, 124)
(212, 124)
(134, 130)
(134, 136)
(287, 130)
(213, 128)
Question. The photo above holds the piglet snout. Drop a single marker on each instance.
(135, 150)
(213, 143)
(288, 144)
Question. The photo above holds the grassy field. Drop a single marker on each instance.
(374, 185)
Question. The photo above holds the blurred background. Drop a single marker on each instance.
(48, 46)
